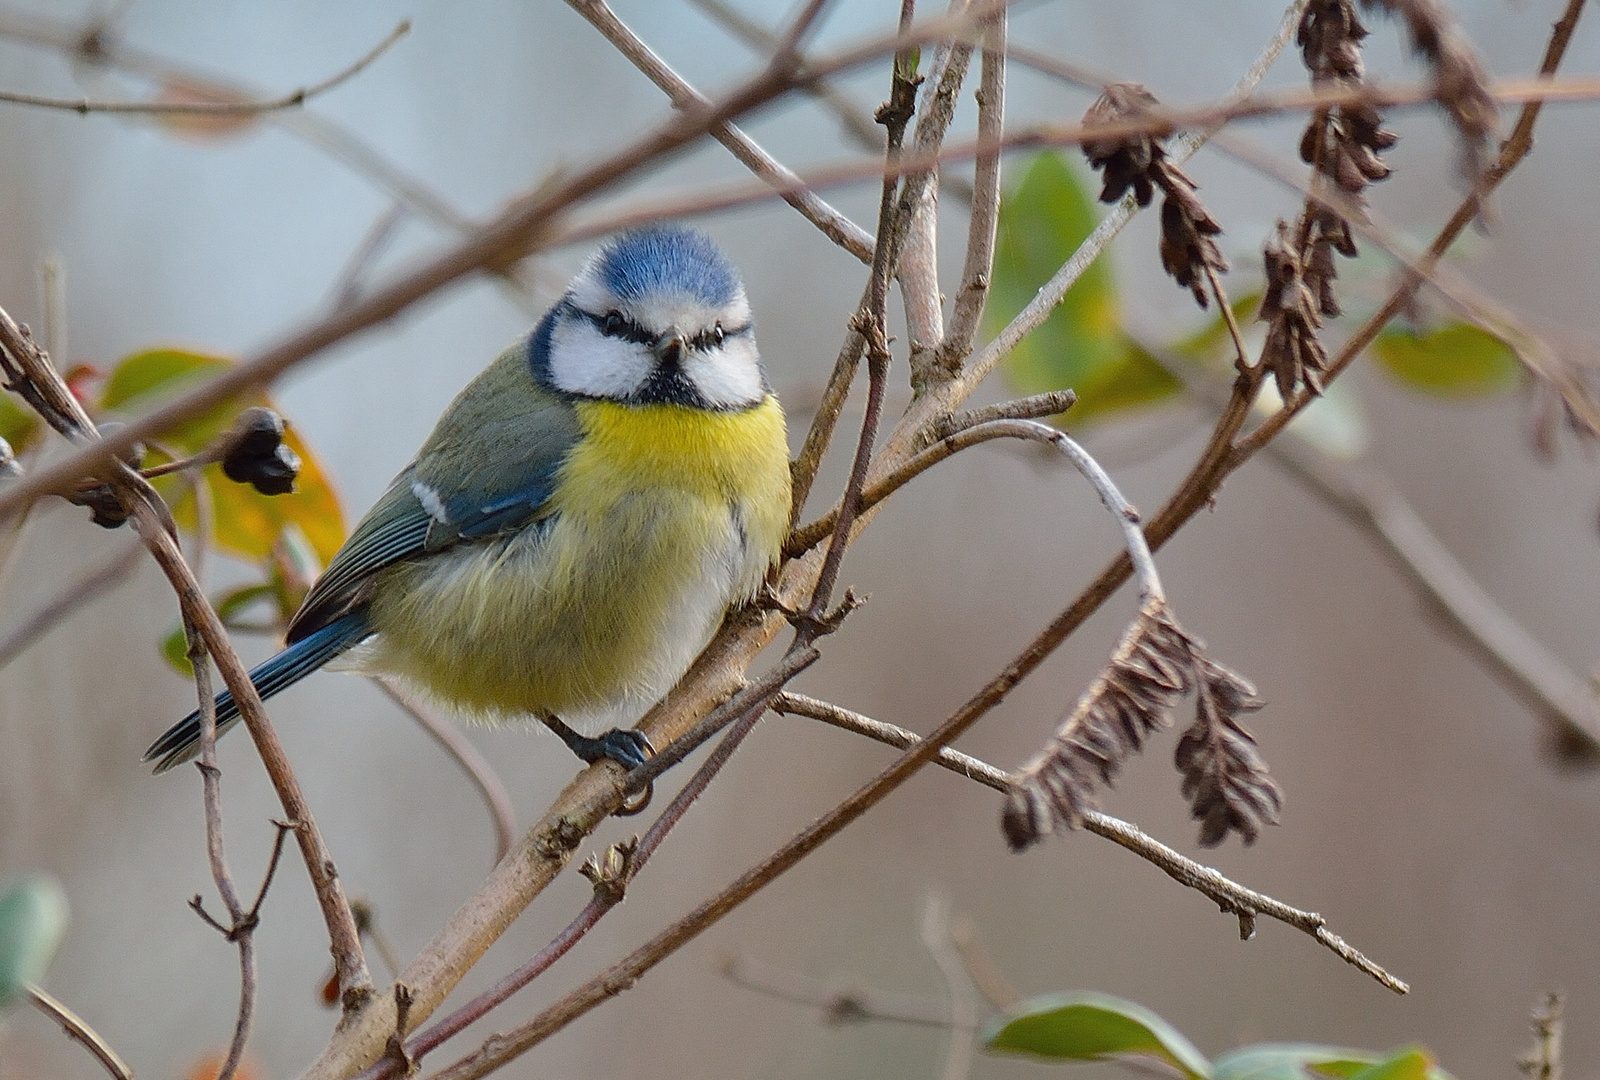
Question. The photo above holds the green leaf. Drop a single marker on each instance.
(1458, 360)
(33, 918)
(1290, 1061)
(18, 424)
(175, 650)
(1308, 1061)
(140, 382)
(231, 604)
(1409, 1063)
(244, 522)
(1086, 1026)
(1082, 344)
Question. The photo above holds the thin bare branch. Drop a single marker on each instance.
(1232, 897)
(803, 471)
(81, 1032)
(212, 108)
(88, 588)
(978, 264)
(474, 764)
(1033, 407)
(241, 924)
(835, 225)
(940, 943)
(27, 368)
(850, 1003)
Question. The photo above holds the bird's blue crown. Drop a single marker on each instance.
(660, 259)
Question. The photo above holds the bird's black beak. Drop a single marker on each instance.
(670, 346)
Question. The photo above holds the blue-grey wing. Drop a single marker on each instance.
(489, 468)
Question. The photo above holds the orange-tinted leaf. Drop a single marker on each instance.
(209, 1067)
(245, 522)
(249, 523)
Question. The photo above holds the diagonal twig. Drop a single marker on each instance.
(85, 590)
(835, 225)
(1232, 897)
(79, 1031)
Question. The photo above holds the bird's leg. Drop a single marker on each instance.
(629, 748)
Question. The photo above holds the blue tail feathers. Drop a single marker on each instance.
(182, 740)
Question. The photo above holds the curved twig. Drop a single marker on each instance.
(81, 1032)
(211, 108)
(473, 763)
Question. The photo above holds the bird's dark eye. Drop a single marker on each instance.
(613, 322)
(717, 333)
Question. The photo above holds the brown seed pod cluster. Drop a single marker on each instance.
(1155, 664)
(1291, 351)
(1224, 777)
(1341, 143)
(1138, 162)
(1460, 81)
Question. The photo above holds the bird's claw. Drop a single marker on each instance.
(626, 747)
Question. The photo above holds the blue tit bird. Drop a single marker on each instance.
(580, 520)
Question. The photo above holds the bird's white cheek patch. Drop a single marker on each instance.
(730, 375)
(584, 361)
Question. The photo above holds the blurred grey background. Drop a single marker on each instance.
(1423, 817)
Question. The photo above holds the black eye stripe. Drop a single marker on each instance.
(625, 329)
(621, 327)
(707, 340)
